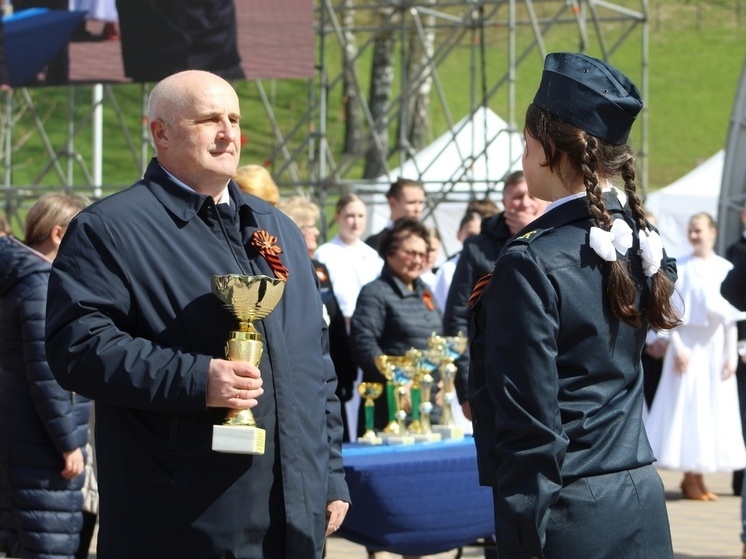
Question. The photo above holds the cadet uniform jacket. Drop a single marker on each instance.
(133, 324)
(556, 384)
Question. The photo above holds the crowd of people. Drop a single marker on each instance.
(112, 302)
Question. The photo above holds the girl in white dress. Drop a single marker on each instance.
(694, 420)
(351, 264)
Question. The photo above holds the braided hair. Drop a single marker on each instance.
(597, 160)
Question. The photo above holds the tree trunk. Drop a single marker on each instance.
(419, 83)
(351, 100)
(382, 78)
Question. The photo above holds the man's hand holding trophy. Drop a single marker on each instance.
(249, 298)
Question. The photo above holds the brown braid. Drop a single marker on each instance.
(620, 289)
(660, 313)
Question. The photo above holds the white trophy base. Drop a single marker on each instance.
(398, 439)
(370, 440)
(238, 439)
(427, 437)
(449, 432)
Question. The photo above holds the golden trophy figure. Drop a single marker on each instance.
(249, 298)
(369, 391)
(450, 348)
(398, 372)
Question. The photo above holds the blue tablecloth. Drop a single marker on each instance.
(33, 38)
(416, 500)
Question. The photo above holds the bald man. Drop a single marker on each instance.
(133, 324)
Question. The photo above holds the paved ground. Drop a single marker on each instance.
(702, 530)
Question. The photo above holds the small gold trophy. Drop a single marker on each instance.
(370, 391)
(450, 349)
(249, 298)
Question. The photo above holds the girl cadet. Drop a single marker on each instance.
(556, 386)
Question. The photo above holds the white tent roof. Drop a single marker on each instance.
(458, 166)
(673, 205)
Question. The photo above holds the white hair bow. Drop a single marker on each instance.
(608, 243)
(651, 251)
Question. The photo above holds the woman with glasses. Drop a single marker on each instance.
(396, 311)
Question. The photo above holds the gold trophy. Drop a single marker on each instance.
(370, 391)
(450, 348)
(249, 298)
(398, 371)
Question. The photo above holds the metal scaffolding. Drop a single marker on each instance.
(503, 38)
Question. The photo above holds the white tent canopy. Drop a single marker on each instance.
(673, 205)
(460, 165)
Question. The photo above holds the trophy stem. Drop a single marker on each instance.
(416, 425)
(393, 425)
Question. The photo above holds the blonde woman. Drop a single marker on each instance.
(256, 180)
(43, 428)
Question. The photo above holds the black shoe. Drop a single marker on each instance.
(737, 482)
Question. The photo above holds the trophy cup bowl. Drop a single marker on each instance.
(398, 370)
(249, 298)
(369, 391)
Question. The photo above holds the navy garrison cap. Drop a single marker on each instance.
(590, 94)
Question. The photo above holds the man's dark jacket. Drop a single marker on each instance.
(477, 259)
(133, 324)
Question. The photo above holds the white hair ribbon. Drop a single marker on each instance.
(608, 243)
(651, 251)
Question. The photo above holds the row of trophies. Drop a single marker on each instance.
(412, 373)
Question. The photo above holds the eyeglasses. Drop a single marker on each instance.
(412, 254)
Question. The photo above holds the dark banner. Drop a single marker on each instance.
(147, 40)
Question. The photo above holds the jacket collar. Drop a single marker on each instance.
(184, 204)
(571, 211)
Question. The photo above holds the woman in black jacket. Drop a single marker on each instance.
(43, 428)
(396, 311)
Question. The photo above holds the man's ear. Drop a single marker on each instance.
(158, 131)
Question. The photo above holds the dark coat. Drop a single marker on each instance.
(478, 257)
(133, 323)
(556, 391)
(339, 342)
(389, 319)
(40, 511)
(733, 287)
(374, 240)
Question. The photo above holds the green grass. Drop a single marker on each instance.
(696, 53)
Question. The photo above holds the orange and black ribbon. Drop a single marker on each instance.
(478, 288)
(427, 297)
(266, 245)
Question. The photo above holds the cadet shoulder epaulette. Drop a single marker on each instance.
(529, 237)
